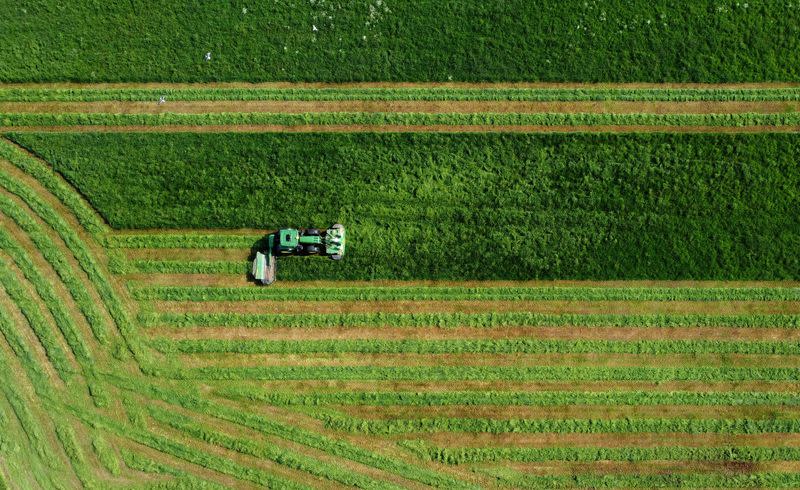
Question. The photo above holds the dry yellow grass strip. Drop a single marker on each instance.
(434, 333)
(483, 306)
(228, 360)
(403, 106)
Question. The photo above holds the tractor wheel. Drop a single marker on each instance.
(337, 226)
(311, 232)
(335, 257)
(311, 250)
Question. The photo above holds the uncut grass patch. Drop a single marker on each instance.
(404, 40)
(454, 206)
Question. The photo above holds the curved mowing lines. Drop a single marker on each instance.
(52, 253)
(423, 464)
(46, 292)
(82, 254)
(27, 358)
(44, 175)
(22, 396)
(30, 309)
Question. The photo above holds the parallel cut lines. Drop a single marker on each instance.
(50, 258)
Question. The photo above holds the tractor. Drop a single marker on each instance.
(296, 241)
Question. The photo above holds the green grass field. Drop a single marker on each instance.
(546, 285)
(457, 206)
(609, 41)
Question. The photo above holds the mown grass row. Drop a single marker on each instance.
(420, 293)
(38, 323)
(21, 406)
(515, 479)
(12, 120)
(452, 320)
(61, 316)
(43, 287)
(59, 262)
(470, 455)
(285, 457)
(272, 427)
(71, 238)
(483, 346)
(508, 398)
(69, 442)
(105, 454)
(483, 373)
(400, 93)
(337, 421)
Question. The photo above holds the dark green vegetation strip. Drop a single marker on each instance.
(450, 206)
(420, 293)
(337, 421)
(405, 40)
(449, 320)
(397, 118)
(494, 346)
(400, 93)
(463, 455)
(508, 398)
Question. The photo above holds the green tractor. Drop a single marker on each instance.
(294, 241)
